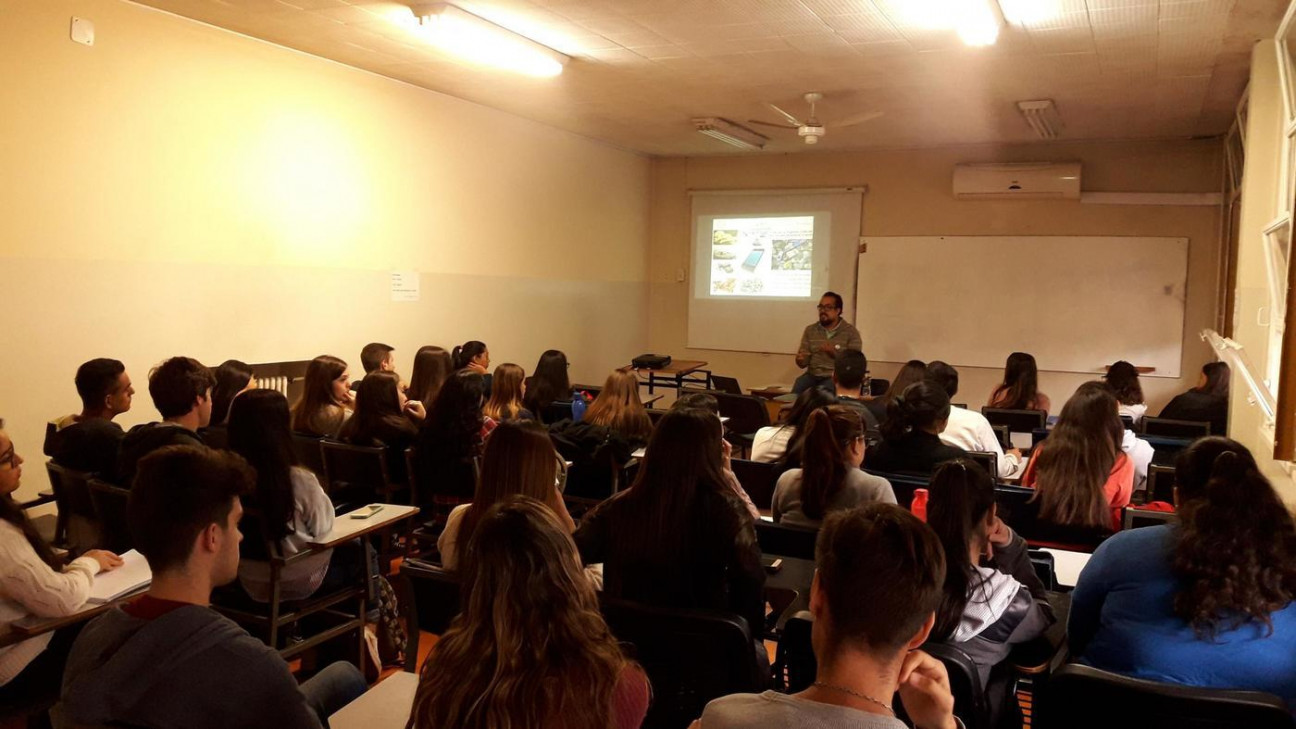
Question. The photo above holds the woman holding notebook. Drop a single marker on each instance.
(33, 580)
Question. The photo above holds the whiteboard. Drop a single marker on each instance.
(1076, 303)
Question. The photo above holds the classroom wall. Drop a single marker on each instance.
(179, 189)
(910, 194)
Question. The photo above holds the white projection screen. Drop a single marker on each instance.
(761, 260)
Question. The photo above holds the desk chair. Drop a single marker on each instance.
(1135, 518)
(747, 414)
(110, 512)
(971, 703)
(1080, 696)
(1166, 449)
(986, 460)
(357, 475)
(1161, 483)
(1045, 568)
(1019, 509)
(795, 666)
(435, 506)
(310, 455)
(690, 656)
(1003, 435)
(757, 479)
(1018, 421)
(785, 540)
(902, 485)
(77, 527)
(1176, 428)
(1127, 421)
(555, 411)
(431, 593)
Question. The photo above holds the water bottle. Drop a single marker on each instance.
(578, 406)
(919, 505)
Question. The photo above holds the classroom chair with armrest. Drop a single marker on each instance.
(1176, 428)
(1083, 697)
(757, 479)
(556, 411)
(357, 475)
(434, 507)
(971, 704)
(591, 481)
(1136, 518)
(1020, 510)
(786, 540)
(1161, 483)
(1018, 421)
(1003, 435)
(110, 512)
(1166, 449)
(78, 527)
(987, 461)
(690, 656)
(1127, 421)
(747, 414)
(310, 455)
(1045, 568)
(436, 594)
(902, 485)
(794, 666)
(1037, 436)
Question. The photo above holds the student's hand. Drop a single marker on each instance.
(802, 358)
(1013, 452)
(107, 560)
(476, 368)
(1000, 535)
(925, 692)
(415, 409)
(727, 448)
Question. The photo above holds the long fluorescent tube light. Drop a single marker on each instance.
(478, 40)
(1042, 116)
(731, 133)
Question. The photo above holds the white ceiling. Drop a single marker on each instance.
(642, 69)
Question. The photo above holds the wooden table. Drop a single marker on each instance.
(32, 625)
(345, 528)
(385, 706)
(675, 375)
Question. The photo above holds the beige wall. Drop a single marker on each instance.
(181, 189)
(910, 194)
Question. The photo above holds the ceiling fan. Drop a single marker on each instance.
(812, 129)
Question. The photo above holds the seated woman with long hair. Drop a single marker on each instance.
(519, 459)
(619, 408)
(993, 599)
(529, 649)
(915, 370)
(830, 478)
(911, 432)
(780, 443)
(450, 441)
(678, 536)
(232, 378)
(1080, 474)
(288, 506)
(1206, 601)
(1207, 402)
(1020, 387)
(508, 388)
(1123, 378)
(326, 401)
(384, 417)
(432, 365)
(549, 383)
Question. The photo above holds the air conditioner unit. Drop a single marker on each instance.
(1017, 181)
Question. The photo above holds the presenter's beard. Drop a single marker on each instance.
(825, 320)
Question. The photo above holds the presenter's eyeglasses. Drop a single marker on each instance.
(828, 307)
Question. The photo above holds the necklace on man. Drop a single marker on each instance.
(856, 694)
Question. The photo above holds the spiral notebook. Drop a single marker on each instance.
(131, 576)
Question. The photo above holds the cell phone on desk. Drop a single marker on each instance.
(772, 565)
(366, 512)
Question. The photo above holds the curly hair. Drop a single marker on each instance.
(1236, 550)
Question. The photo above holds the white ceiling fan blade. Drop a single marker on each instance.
(785, 115)
(851, 121)
(772, 124)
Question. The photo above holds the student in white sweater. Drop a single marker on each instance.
(33, 581)
(288, 506)
(969, 430)
(830, 478)
(772, 444)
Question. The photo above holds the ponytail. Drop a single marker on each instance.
(961, 495)
(829, 433)
(462, 356)
(921, 405)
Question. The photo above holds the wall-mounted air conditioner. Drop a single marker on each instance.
(1017, 180)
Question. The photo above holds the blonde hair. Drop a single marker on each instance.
(506, 393)
(618, 407)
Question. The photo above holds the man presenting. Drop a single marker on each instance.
(821, 342)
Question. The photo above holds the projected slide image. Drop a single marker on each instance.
(762, 256)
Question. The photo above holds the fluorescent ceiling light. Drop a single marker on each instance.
(976, 21)
(731, 133)
(478, 40)
(1042, 116)
(1030, 12)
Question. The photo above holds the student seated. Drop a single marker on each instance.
(915, 370)
(911, 432)
(474, 357)
(291, 508)
(1082, 477)
(619, 408)
(36, 581)
(678, 537)
(873, 598)
(1123, 378)
(508, 387)
(181, 391)
(326, 401)
(1207, 402)
(91, 441)
(530, 648)
(232, 378)
(1020, 387)
(848, 382)
(1207, 601)
(548, 383)
(167, 658)
(969, 429)
(376, 357)
(519, 459)
(384, 417)
(830, 478)
(432, 365)
(992, 598)
(706, 401)
(774, 443)
(450, 440)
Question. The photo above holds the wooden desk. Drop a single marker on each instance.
(32, 625)
(385, 706)
(675, 375)
(345, 528)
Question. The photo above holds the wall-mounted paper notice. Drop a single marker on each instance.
(404, 286)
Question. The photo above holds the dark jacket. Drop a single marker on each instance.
(144, 439)
(719, 567)
(89, 445)
(1201, 407)
(862, 406)
(917, 452)
(596, 453)
(188, 668)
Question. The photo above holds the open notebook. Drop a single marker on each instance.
(132, 575)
